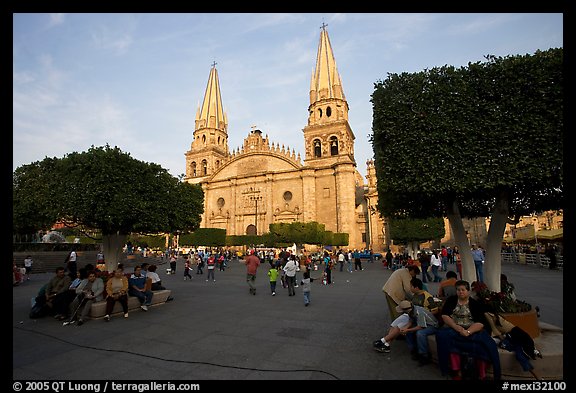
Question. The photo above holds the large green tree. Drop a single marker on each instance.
(107, 189)
(478, 141)
(413, 231)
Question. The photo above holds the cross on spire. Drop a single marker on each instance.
(214, 64)
(324, 25)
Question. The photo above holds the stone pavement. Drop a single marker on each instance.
(218, 331)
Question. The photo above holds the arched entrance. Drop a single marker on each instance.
(251, 229)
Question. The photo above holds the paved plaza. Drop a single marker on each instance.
(218, 331)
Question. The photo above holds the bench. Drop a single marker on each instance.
(550, 343)
(98, 309)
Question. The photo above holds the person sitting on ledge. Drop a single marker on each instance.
(464, 333)
(116, 290)
(137, 288)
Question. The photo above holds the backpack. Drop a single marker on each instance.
(40, 309)
(468, 368)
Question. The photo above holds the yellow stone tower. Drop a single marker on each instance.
(209, 148)
(329, 144)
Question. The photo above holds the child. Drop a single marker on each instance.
(211, 264)
(306, 281)
(273, 274)
(187, 269)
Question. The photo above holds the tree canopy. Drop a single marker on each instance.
(106, 189)
(476, 141)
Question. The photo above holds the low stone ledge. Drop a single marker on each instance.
(98, 309)
(551, 367)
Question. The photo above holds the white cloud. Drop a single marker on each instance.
(117, 40)
(22, 77)
(481, 23)
(56, 19)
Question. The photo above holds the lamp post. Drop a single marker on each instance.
(256, 198)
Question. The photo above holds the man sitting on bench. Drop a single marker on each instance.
(137, 287)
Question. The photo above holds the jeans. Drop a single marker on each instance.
(145, 297)
(444, 262)
(419, 339)
(291, 280)
(479, 270)
(273, 286)
(210, 274)
(306, 297)
(251, 279)
(437, 278)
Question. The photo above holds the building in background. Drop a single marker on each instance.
(264, 182)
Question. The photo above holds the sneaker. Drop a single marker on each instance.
(381, 347)
(144, 307)
(125, 315)
(306, 305)
(273, 293)
(424, 360)
(80, 322)
(107, 318)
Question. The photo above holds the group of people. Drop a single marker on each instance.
(71, 300)
(467, 331)
(286, 267)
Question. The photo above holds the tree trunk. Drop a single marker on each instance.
(493, 261)
(468, 269)
(112, 245)
(412, 248)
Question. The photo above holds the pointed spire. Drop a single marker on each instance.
(211, 114)
(325, 82)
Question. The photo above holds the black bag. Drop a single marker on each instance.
(39, 310)
(468, 366)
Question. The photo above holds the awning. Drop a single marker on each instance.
(550, 234)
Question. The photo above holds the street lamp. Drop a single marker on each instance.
(256, 198)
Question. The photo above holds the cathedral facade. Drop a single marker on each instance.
(262, 182)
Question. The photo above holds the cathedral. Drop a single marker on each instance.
(262, 182)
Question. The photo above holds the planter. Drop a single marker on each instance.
(527, 321)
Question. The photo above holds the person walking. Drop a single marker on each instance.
(424, 259)
(273, 274)
(436, 265)
(211, 265)
(306, 281)
(478, 256)
(187, 274)
(28, 266)
(252, 262)
(290, 269)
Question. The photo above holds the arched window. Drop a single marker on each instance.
(217, 164)
(204, 139)
(328, 112)
(193, 169)
(317, 148)
(251, 229)
(204, 168)
(334, 146)
(320, 112)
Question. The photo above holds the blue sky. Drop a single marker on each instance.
(135, 80)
